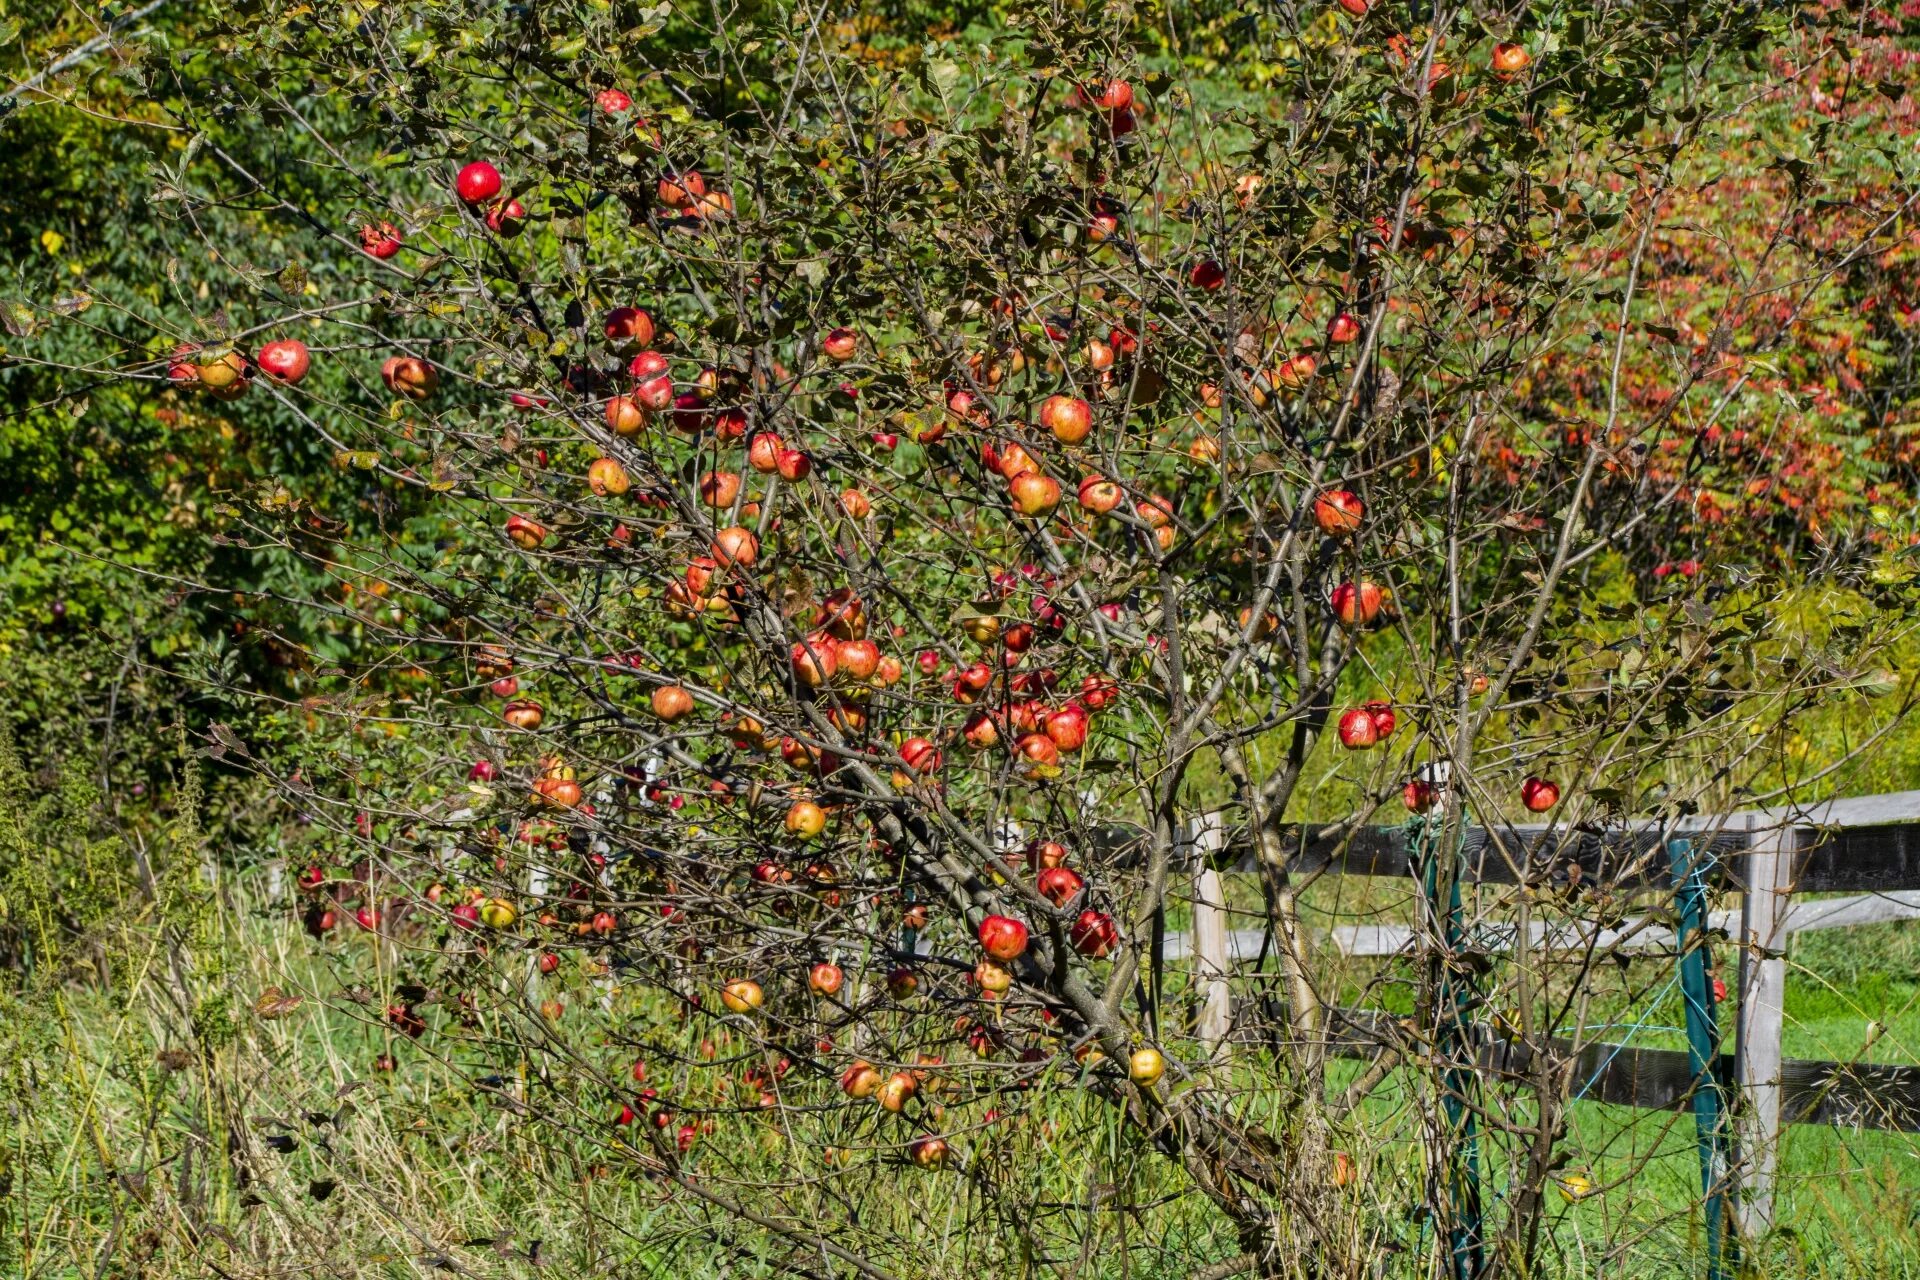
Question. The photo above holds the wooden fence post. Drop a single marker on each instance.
(1763, 988)
(1212, 947)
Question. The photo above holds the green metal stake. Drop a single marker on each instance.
(1703, 1052)
(1465, 1234)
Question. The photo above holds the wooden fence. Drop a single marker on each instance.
(1868, 848)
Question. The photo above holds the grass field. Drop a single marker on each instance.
(285, 1154)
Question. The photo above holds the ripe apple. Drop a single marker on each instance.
(681, 190)
(1356, 604)
(653, 382)
(1356, 729)
(855, 504)
(1067, 728)
(1044, 855)
(860, 1080)
(920, 755)
(903, 982)
(1207, 274)
(1383, 718)
(1068, 417)
(672, 703)
(806, 819)
(628, 328)
(1509, 60)
(1094, 934)
(607, 478)
(1100, 495)
(1002, 937)
(841, 343)
(763, 452)
(478, 182)
(410, 376)
(928, 1151)
(735, 546)
(523, 714)
(525, 534)
(220, 372)
(613, 101)
(793, 465)
(1146, 1066)
(981, 730)
(1034, 493)
(814, 660)
(1338, 512)
(380, 240)
(1344, 1170)
(285, 360)
(718, 489)
(625, 416)
(1039, 750)
(742, 995)
(895, 1092)
(507, 217)
(824, 979)
(1539, 795)
(1058, 885)
(1358, 8)
(498, 913)
(858, 659)
(1114, 95)
(1419, 795)
(1295, 372)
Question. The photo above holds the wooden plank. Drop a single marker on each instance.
(1213, 961)
(1854, 1095)
(1633, 936)
(1762, 940)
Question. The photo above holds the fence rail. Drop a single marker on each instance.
(1868, 847)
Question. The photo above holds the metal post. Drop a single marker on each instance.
(1466, 1243)
(1703, 1052)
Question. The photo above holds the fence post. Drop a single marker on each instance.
(1703, 1050)
(1757, 1054)
(1212, 947)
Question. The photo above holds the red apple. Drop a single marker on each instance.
(1094, 934)
(380, 240)
(841, 343)
(814, 660)
(672, 703)
(1338, 512)
(1068, 417)
(1356, 729)
(627, 327)
(1034, 493)
(1344, 329)
(1357, 604)
(1100, 495)
(1058, 885)
(1509, 60)
(1539, 795)
(478, 182)
(858, 659)
(1003, 937)
(920, 755)
(825, 979)
(507, 217)
(525, 534)
(285, 360)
